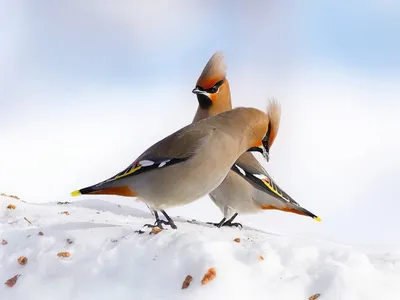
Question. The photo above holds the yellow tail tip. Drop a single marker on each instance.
(75, 193)
(318, 219)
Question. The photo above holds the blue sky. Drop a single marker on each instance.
(86, 87)
(82, 43)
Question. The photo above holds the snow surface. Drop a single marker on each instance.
(109, 260)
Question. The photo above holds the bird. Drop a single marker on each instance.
(247, 188)
(189, 163)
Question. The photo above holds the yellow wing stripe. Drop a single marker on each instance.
(118, 176)
(127, 172)
(271, 188)
(318, 219)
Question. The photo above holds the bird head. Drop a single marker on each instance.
(212, 87)
(264, 145)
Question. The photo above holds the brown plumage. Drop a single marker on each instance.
(210, 102)
(190, 162)
(247, 188)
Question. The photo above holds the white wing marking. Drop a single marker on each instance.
(146, 163)
(241, 170)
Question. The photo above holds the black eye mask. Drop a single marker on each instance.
(215, 88)
(211, 90)
(204, 101)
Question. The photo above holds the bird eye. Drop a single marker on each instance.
(214, 89)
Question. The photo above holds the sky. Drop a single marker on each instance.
(87, 87)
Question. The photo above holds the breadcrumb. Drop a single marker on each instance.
(186, 282)
(22, 260)
(210, 275)
(63, 254)
(12, 281)
(156, 230)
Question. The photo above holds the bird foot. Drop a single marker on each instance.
(157, 223)
(153, 226)
(230, 224)
(215, 224)
(160, 223)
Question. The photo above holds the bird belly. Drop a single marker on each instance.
(177, 185)
(192, 179)
(236, 194)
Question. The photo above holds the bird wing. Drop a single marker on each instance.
(252, 171)
(174, 149)
(181, 144)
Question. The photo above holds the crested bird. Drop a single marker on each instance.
(247, 188)
(189, 163)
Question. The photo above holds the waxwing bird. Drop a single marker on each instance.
(212, 89)
(247, 188)
(190, 162)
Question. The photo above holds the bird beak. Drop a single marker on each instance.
(197, 91)
(265, 149)
(263, 146)
(265, 153)
(261, 149)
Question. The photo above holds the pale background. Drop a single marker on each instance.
(85, 87)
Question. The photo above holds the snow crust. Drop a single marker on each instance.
(109, 260)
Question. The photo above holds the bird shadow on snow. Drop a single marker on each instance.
(101, 205)
(125, 210)
(128, 211)
(115, 208)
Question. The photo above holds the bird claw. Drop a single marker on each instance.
(229, 224)
(153, 226)
(160, 223)
(225, 222)
(215, 224)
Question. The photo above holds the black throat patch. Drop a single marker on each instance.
(204, 101)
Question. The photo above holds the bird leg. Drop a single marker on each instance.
(158, 223)
(218, 224)
(230, 224)
(170, 221)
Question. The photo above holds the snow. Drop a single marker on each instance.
(109, 259)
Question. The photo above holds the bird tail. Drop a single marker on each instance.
(112, 190)
(292, 208)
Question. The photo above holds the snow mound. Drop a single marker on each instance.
(109, 260)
